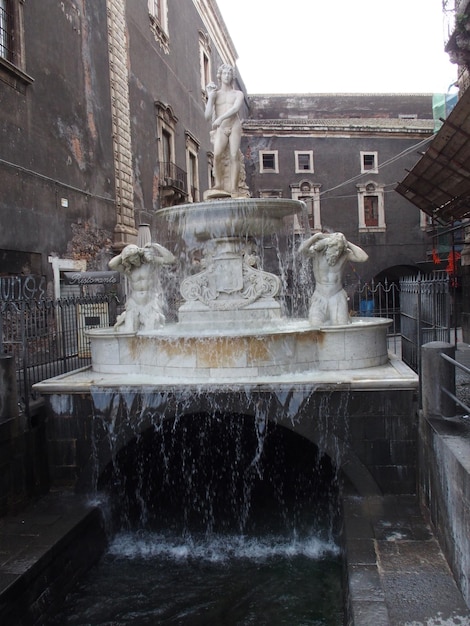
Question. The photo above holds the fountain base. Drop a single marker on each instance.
(275, 349)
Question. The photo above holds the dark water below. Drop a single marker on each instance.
(220, 521)
(148, 578)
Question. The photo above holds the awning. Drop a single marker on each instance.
(439, 184)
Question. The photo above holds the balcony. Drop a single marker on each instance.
(173, 184)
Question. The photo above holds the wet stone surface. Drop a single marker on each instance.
(398, 574)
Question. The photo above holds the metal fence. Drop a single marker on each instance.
(425, 314)
(47, 338)
(379, 299)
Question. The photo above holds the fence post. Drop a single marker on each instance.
(437, 373)
(8, 390)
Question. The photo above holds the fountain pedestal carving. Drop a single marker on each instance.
(231, 286)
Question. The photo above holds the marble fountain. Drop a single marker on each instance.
(231, 324)
(226, 340)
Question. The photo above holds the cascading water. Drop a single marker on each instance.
(218, 512)
(214, 518)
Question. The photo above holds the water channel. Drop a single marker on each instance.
(224, 525)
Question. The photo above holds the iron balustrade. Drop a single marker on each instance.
(173, 176)
(47, 338)
(425, 314)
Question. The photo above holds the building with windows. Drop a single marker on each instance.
(102, 123)
(342, 154)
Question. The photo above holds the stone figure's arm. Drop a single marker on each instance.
(355, 253)
(211, 91)
(307, 245)
(235, 108)
(116, 263)
(160, 254)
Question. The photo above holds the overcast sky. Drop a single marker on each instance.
(308, 46)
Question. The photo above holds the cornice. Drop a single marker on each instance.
(385, 126)
(215, 26)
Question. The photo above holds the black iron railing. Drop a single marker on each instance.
(173, 176)
(48, 337)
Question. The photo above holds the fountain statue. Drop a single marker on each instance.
(144, 302)
(330, 252)
(222, 108)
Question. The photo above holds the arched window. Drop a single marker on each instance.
(371, 211)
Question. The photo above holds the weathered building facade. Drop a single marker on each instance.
(342, 155)
(102, 123)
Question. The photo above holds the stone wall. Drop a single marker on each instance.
(445, 489)
(444, 463)
(23, 450)
(371, 435)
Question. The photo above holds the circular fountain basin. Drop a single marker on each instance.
(238, 217)
(285, 347)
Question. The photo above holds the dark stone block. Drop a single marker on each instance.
(396, 479)
(63, 452)
(377, 453)
(404, 452)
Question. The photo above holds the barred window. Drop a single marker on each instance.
(6, 31)
(12, 58)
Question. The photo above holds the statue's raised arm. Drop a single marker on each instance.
(329, 253)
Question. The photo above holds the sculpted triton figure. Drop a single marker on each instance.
(144, 302)
(223, 105)
(329, 253)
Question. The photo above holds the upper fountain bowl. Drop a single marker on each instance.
(237, 217)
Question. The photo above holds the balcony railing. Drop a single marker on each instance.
(173, 177)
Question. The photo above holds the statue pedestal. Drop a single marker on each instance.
(229, 285)
(197, 315)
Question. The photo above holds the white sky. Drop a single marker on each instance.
(349, 46)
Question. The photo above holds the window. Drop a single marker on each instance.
(6, 31)
(309, 193)
(158, 13)
(173, 180)
(192, 167)
(303, 162)
(205, 62)
(167, 146)
(210, 170)
(11, 44)
(371, 210)
(369, 162)
(268, 162)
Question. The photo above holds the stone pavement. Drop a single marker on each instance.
(44, 551)
(397, 573)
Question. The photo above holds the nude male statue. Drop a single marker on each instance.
(140, 266)
(329, 253)
(223, 105)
